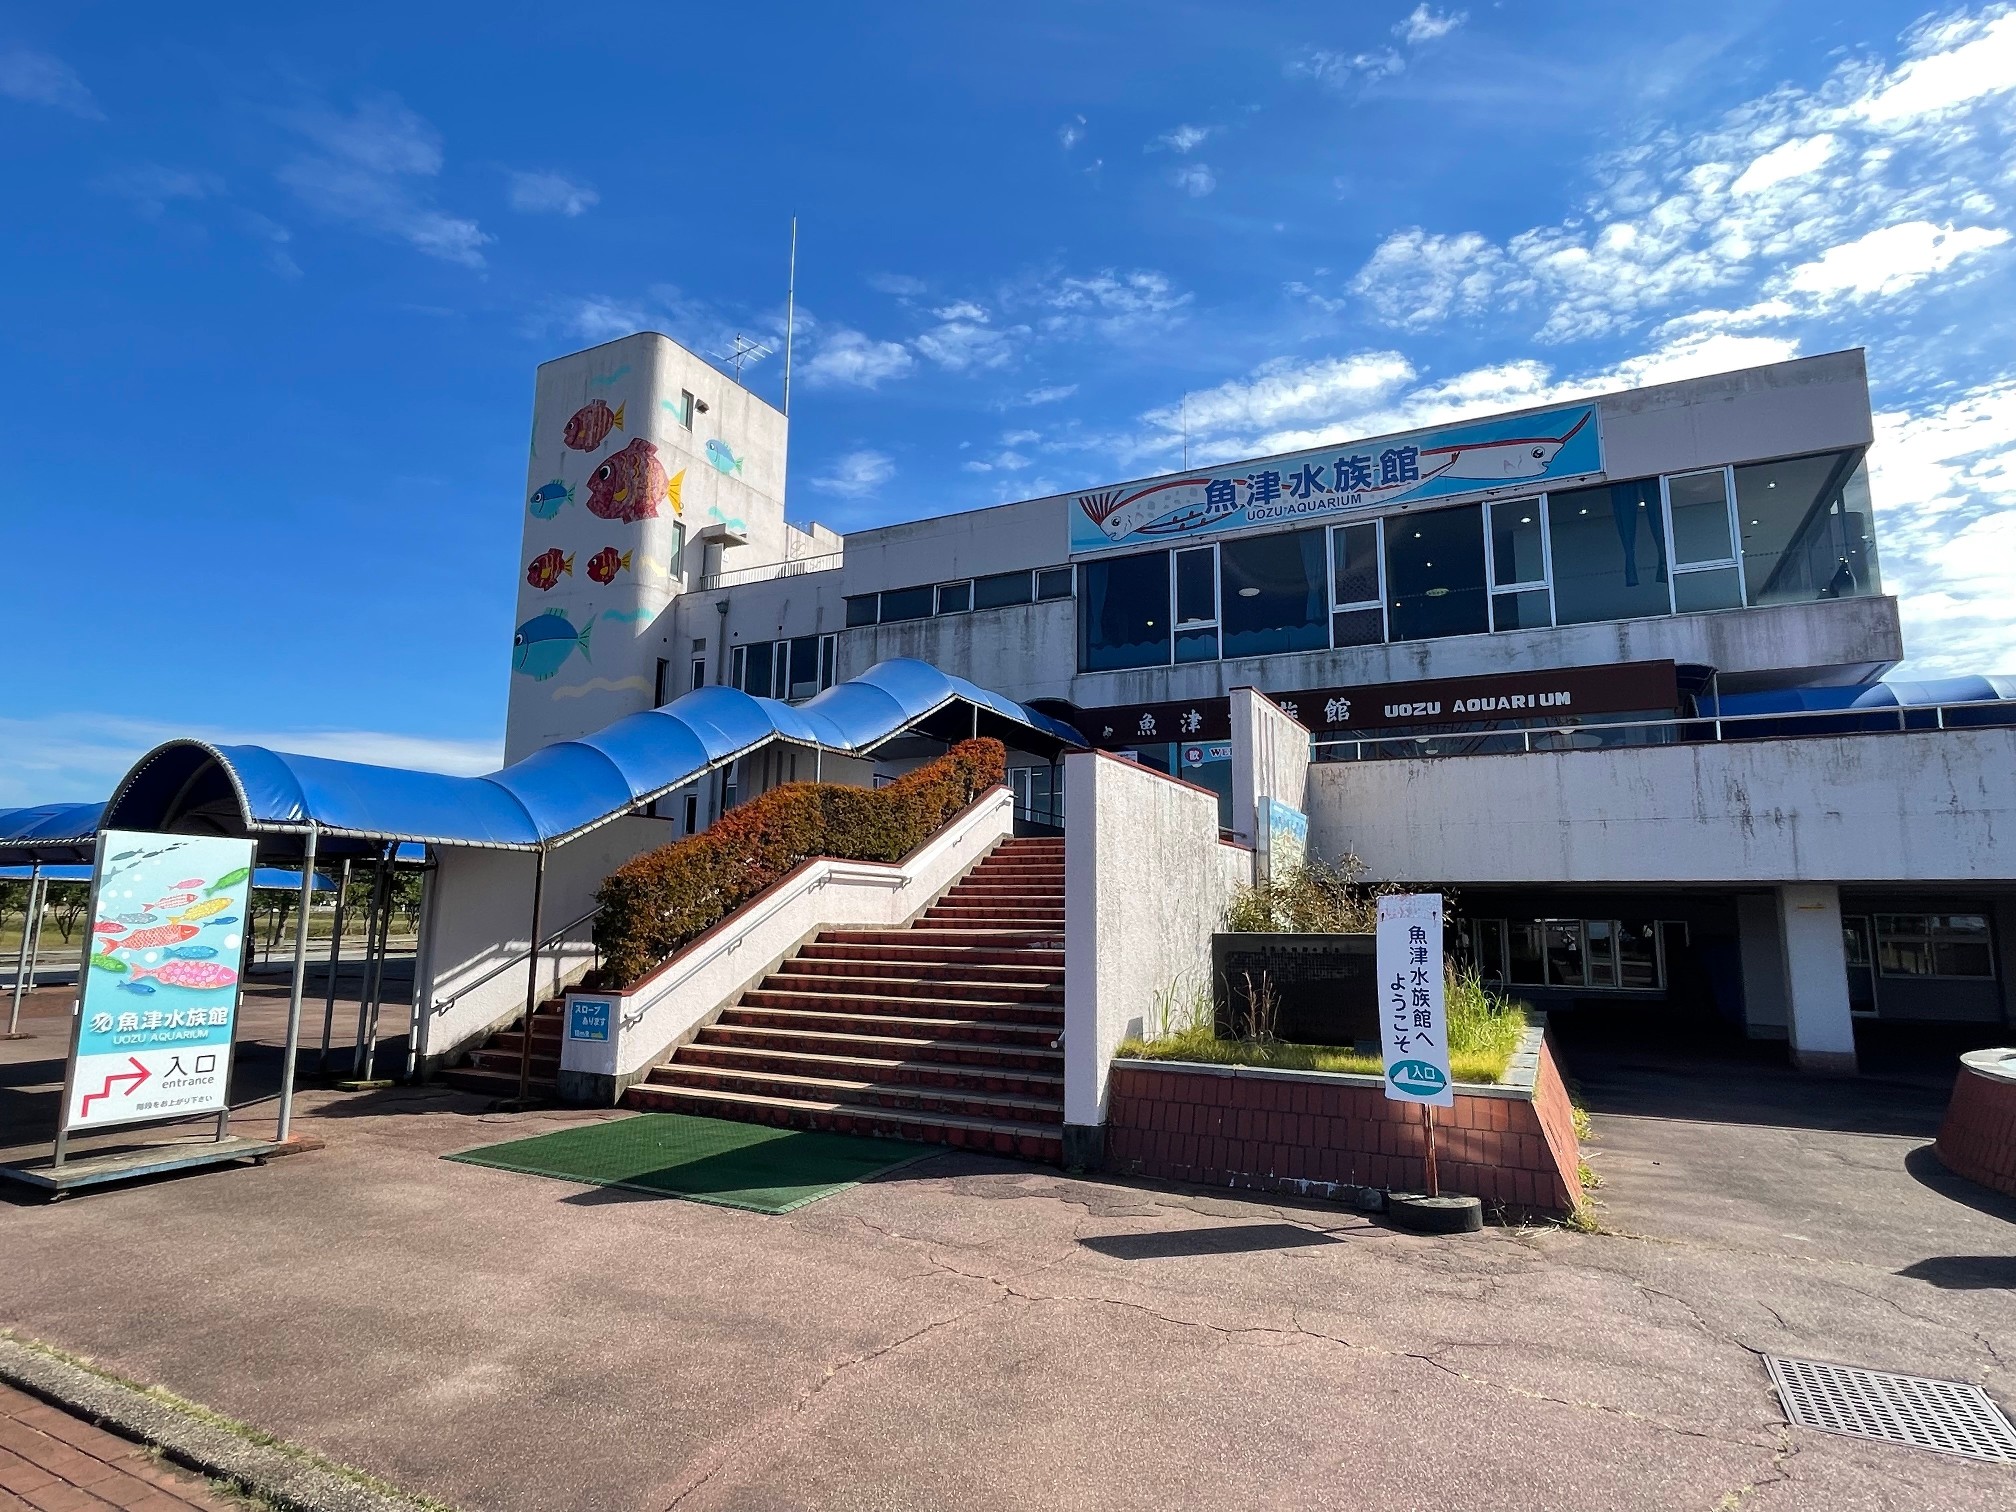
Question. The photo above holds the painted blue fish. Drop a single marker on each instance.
(545, 641)
(550, 498)
(192, 953)
(135, 920)
(227, 919)
(145, 989)
(723, 459)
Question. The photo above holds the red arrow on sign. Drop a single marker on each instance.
(136, 1076)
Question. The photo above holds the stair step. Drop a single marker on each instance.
(883, 1005)
(909, 1097)
(910, 957)
(998, 1136)
(490, 1058)
(494, 1083)
(1006, 1056)
(792, 977)
(1039, 1036)
(978, 1075)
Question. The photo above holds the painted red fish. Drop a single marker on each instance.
(173, 900)
(544, 570)
(191, 882)
(108, 928)
(606, 563)
(196, 975)
(161, 934)
(629, 485)
(591, 425)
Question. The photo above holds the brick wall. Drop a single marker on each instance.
(1978, 1138)
(1339, 1136)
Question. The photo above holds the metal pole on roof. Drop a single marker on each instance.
(532, 980)
(28, 917)
(294, 997)
(335, 963)
(370, 949)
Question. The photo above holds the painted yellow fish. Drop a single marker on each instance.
(672, 486)
(203, 910)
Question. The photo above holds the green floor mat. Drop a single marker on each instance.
(753, 1166)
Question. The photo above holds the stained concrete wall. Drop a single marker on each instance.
(1270, 759)
(1930, 806)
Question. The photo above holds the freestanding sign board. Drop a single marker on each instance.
(1413, 1018)
(158, 1002)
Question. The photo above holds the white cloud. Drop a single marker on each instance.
(1195, 179)
(372, 171)
(963, 309)
(550, 194)
(1109, 303)
(857, 473)
(1182, 138)
(1007, 460)
(1788, 160)
(1072, 132)
(1425, 25)
(151, 187)
(1891, 260)
(597, 319)
(900, 284)
(964, 339)
(1339, 70)
(1964, 60)
(848, 358)
(36, 78)
(1049, 394)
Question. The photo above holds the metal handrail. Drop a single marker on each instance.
(762, 573)
(526, 954)
(1711, 724)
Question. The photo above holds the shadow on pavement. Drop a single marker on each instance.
(1249, 1238)
(1926, 1168)
(1965, 1272)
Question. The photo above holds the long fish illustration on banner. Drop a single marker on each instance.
(1458, 459)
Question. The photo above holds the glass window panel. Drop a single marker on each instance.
(1700, 505)
(804, 667)
(1602, 936)
(1637, 955)
(1489, 959)
(908, 604)
(1123, 613)
(678, 548)
(827, 645)
(1525, 956)
(1435, 573)
(1001, 590)
(1528, 610)
(1714, 589)
(1274, 595)
(1959, 926)
(1517, 552)
(1564, 952)
(1197, 645)
(1354, 551)
(1609, 548)
(1053, 583)
(861, 609)
(1806, 529)
(756, 668)
(1962, 960)
(1197, 587)
(955, 598)
(1357, 627)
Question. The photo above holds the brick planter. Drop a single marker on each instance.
(1978, 1138)
(1324, 1134)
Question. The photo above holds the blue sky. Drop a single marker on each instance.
(277, 280)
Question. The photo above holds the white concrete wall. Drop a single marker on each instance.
(687, 991)
(1931, 806)
(482, 915)
(1270, 759)
(1146, 882)
(1816, 978)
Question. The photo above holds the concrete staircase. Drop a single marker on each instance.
(492, 1066)
(943, 1031)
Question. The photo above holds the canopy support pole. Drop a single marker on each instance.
(378, 968)
(30, 917)
(532, 979)
(370, 946)
(423, 967)
(294, 996)
(335, 964)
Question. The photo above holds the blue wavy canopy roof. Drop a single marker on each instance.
(1901, 693)
(566, 788)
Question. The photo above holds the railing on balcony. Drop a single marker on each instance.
(795, 567)
(1707, 728)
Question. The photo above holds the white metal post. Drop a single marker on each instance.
(294, 997)
(29, 918)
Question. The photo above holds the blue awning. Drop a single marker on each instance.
(562, 790)
(58, 833)
(1912, 693)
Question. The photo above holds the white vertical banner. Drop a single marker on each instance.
(1413, 1013)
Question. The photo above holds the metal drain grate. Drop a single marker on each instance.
(1950, 1417)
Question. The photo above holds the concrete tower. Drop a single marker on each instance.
(646, 463)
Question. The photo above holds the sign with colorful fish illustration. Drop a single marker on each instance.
(1537, 451)
(606, 563)
(545, 641)
(590, 425)
(631, 484)
(544, 570)
(157, 1016)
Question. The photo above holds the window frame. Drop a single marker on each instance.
(686, 408)
(938, 600)
(1037, 574)
(1675, 568)
(1178, 626)
(1378, 524)
(1546, 579)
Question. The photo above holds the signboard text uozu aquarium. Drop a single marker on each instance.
(1539, 449)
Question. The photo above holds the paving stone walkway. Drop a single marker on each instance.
(53, 1462)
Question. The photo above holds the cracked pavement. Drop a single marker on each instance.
(977, 1333)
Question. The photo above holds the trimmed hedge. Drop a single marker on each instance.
(652, 905)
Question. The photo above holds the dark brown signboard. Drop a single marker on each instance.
(1561, 695)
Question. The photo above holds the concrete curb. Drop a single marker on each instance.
(288, 1480)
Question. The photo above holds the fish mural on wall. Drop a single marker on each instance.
(733, 522)
(544, 570)
(609, 380)
(591, 424)
(606, 563)
(723, 459)
(603, 685)
(229, 879)
(208, 908)
(197, 976)
(548, 500)
(630, 484)
(544, 642)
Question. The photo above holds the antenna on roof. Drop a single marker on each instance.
(744, 349)
(1186, 433)
(790, 311)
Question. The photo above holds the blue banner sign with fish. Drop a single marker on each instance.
(1537, 450)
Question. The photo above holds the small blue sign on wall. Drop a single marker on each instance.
(588, 1018)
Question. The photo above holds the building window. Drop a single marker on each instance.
(1275, 592)
(1357, 586)
(1000, 590)
(1522, 597)
(678, 548)
(803, 680)
(1935, 945)
(1705, 571)
(1435, 573)
(861, 609)
(1607, 553)
(1123, 613)
(908, 604)
(827, 659)
(659, 680)
(686, 409)
(791, 670)
(699, 674)
(1806, 529)
(1602, 954)
(955, 598)
(1196, 589)
(1053, 583)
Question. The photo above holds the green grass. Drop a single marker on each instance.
(1484, 1034)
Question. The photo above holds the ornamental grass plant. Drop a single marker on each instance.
(655, 903)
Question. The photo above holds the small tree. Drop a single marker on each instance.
(67, 901)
